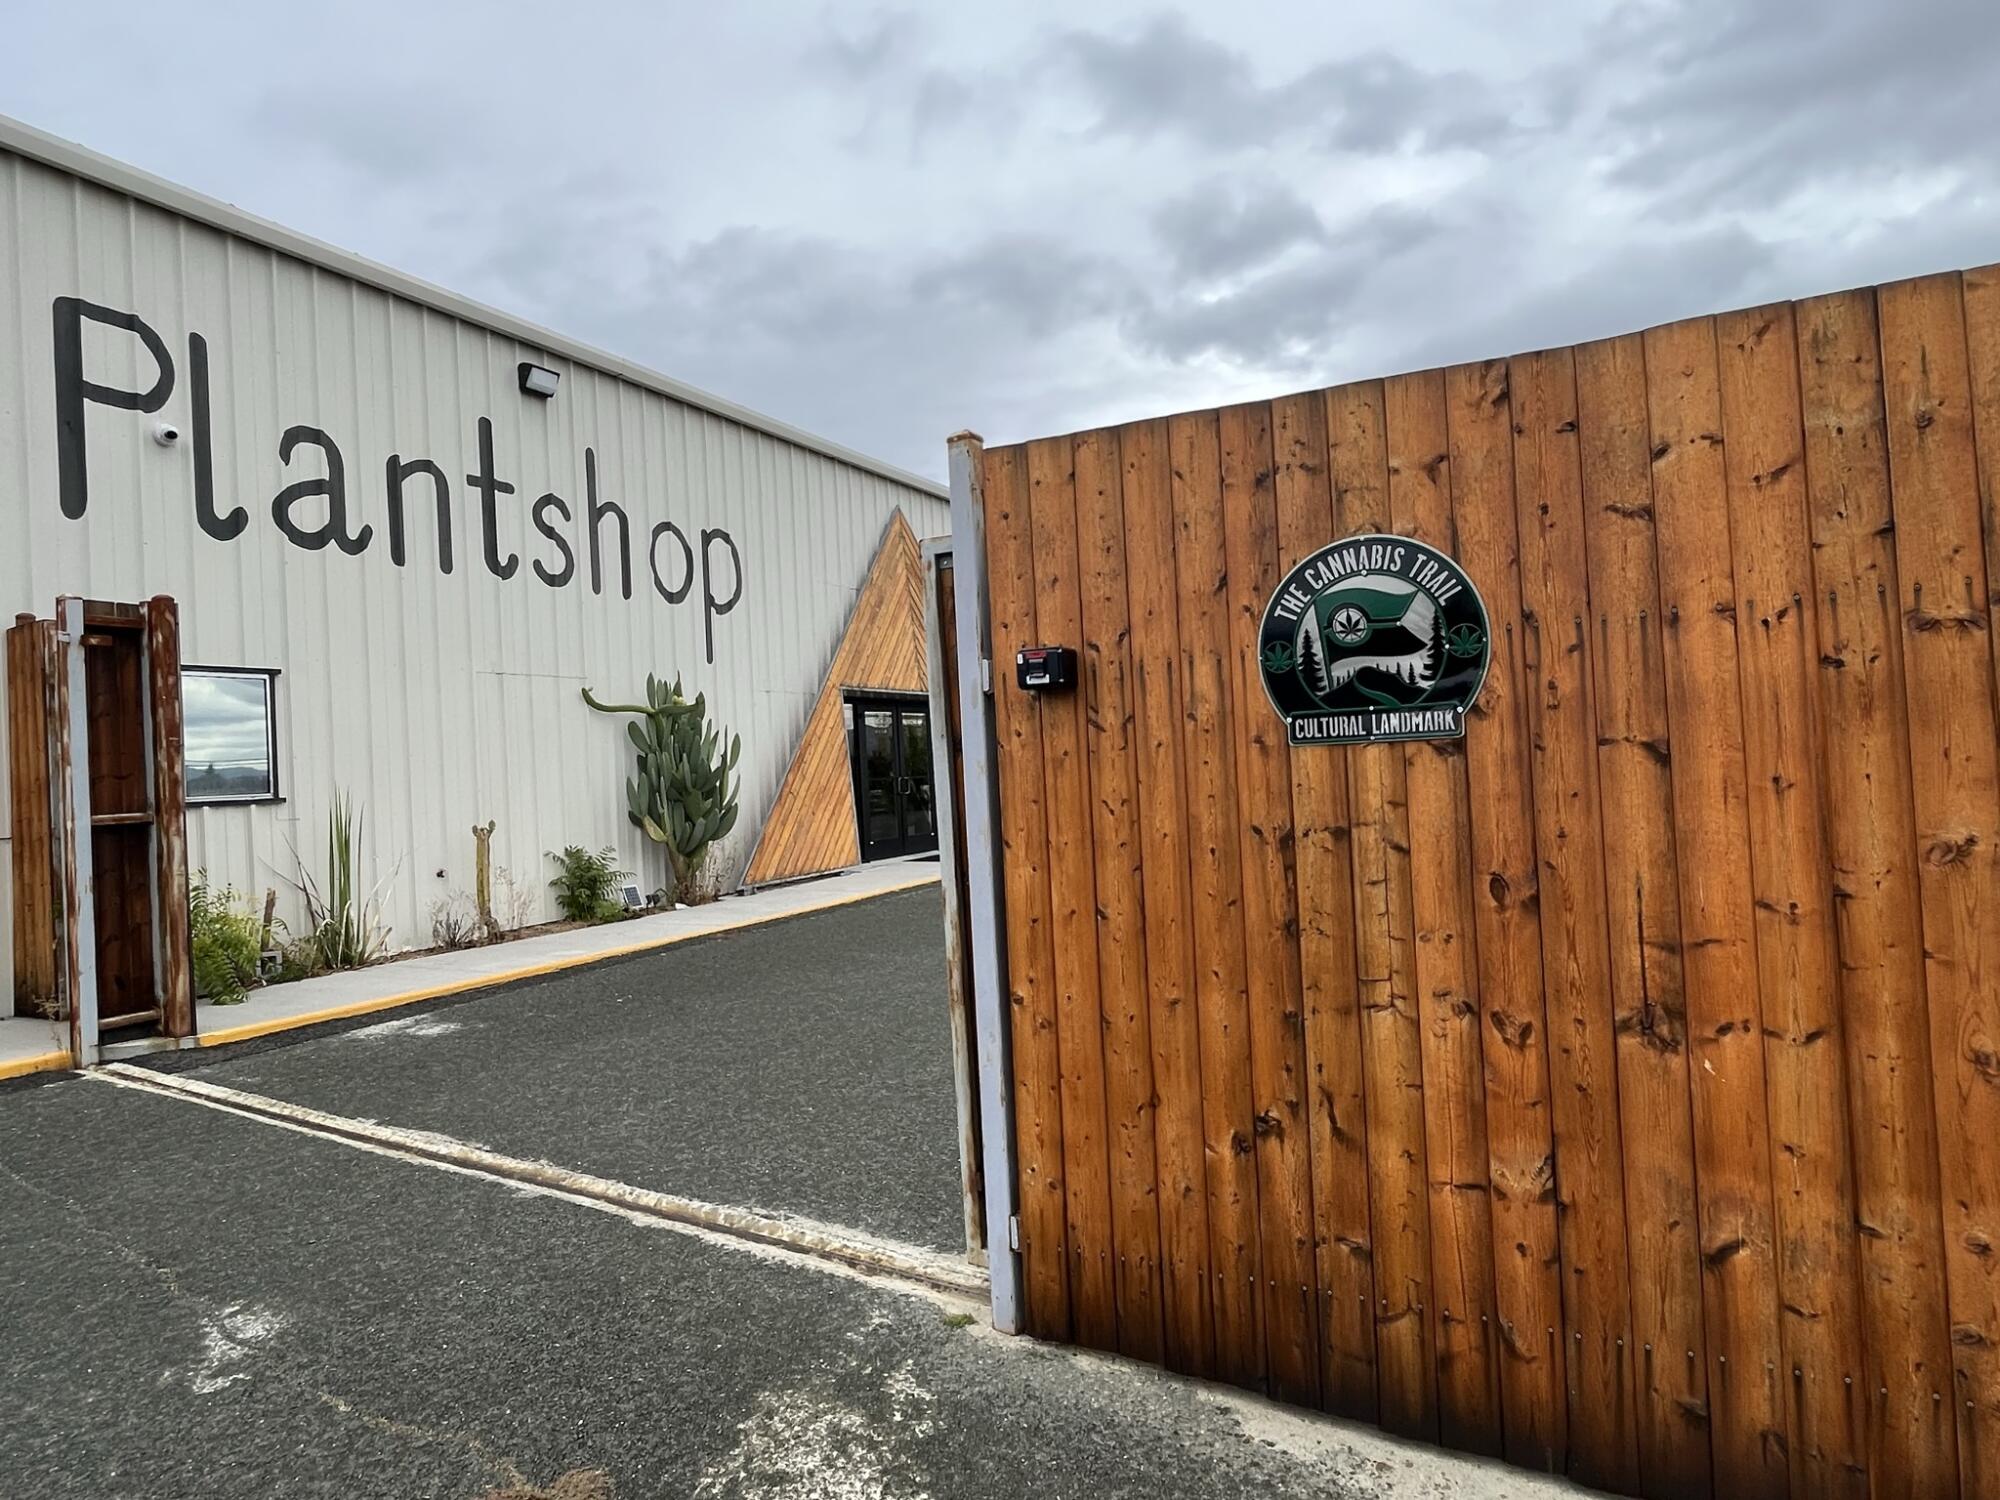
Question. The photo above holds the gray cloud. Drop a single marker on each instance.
(873, 53)
(1226, 225)
(1291, 318)
(1166, 78)
(1741, 101)
(1655, 281)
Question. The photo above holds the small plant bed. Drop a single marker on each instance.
(275, 976)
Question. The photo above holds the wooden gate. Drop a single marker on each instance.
(100, 845)
(1615, 1089)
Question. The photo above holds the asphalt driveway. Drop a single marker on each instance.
(202, 1305)
(200, 1302)
(801, 1066)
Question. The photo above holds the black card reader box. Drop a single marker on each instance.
(1041, 669)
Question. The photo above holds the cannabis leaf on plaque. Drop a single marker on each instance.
(1465, 640)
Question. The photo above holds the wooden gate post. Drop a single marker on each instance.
(982, 864)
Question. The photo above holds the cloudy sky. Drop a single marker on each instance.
(886, 224)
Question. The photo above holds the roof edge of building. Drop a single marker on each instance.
(91, 166)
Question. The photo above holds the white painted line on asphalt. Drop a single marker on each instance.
(793, 1238)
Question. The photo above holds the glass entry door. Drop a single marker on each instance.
(892, 777)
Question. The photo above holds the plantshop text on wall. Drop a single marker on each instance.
(318, 510)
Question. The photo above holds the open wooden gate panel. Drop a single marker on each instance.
(1613, 1089)
(99, 850)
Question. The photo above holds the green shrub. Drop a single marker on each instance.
(343, 924)
(587, 885)
(227, 941)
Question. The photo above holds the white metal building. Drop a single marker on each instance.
(403, 562)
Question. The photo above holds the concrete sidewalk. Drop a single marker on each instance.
(29, 1045)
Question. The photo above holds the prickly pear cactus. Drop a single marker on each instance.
(684, 796)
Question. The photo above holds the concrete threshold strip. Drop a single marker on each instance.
(825, 1246)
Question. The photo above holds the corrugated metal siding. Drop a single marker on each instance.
(438, 701)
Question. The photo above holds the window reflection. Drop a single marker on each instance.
(229, 736)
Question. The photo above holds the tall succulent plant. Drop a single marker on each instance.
(683, 797)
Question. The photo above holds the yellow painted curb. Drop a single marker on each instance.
(47, 1062)
(253, 1029)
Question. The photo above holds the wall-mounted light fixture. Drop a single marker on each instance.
(536, 381)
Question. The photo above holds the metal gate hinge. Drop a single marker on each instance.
(986, 675)
(1013, 1231)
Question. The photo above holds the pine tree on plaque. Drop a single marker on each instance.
(1434, 655)
(1311, 672)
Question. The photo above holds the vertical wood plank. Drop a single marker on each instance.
(1777, 659)
(1338, 1119)
(30, 656)
(1732, 1130)
(1031, 994)
(1520, 1135)
(1073, 905)
(1948, 678)
(1222, 988)
(1119, 932)
(1982, 347)
(1447, 972)
(1635, 793)
(1576, 961)
(1147, 502)
(1870, 833)
(170, 872)
(1270, 917)
(1392, 1043)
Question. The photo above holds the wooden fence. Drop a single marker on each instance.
(1617, 1089)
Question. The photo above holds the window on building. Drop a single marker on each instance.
(231, 734)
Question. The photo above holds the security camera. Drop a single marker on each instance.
(166, 434)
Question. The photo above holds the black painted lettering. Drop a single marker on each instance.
(333, 486)
(395, 472)
(222, 528)
(673, 595)
(73, 392)
(595, 511)
(711, 605)
(490, 490)
(554, 502)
